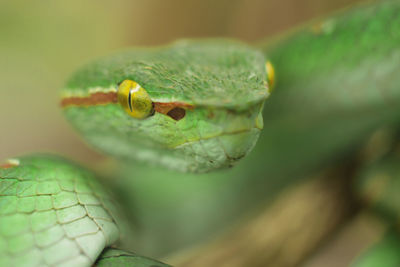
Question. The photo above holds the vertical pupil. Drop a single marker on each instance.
(130, 100)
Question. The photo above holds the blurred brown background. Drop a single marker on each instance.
(43, 41)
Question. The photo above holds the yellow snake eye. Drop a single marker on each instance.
(135, 100)
(270, 75)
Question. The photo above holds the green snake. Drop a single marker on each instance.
(198, 108)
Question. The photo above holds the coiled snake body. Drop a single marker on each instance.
(196, 106)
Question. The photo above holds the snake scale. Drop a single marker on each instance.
(197, 106)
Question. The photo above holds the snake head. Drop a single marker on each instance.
(193, 106)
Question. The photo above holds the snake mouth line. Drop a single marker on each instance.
(216, 136)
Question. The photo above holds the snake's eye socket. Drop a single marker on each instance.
(135, 100)
(270, 75)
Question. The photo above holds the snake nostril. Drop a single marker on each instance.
(177, 113)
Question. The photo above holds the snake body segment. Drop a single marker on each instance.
(53, 213)
(204, 102)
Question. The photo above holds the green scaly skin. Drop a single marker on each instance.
(340, 80)
(351, 74)
(120, 258)
(224, 81)
(53, 213)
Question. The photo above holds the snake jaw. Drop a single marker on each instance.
(218, 152)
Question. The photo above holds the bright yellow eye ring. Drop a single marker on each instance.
(135, 100)
(270, 75)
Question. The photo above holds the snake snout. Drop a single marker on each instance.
(219, 152)
(238, 145)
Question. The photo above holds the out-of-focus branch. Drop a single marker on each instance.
(284, 233)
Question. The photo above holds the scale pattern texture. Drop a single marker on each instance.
(53, 213)
(120, 258)
(210, 72)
